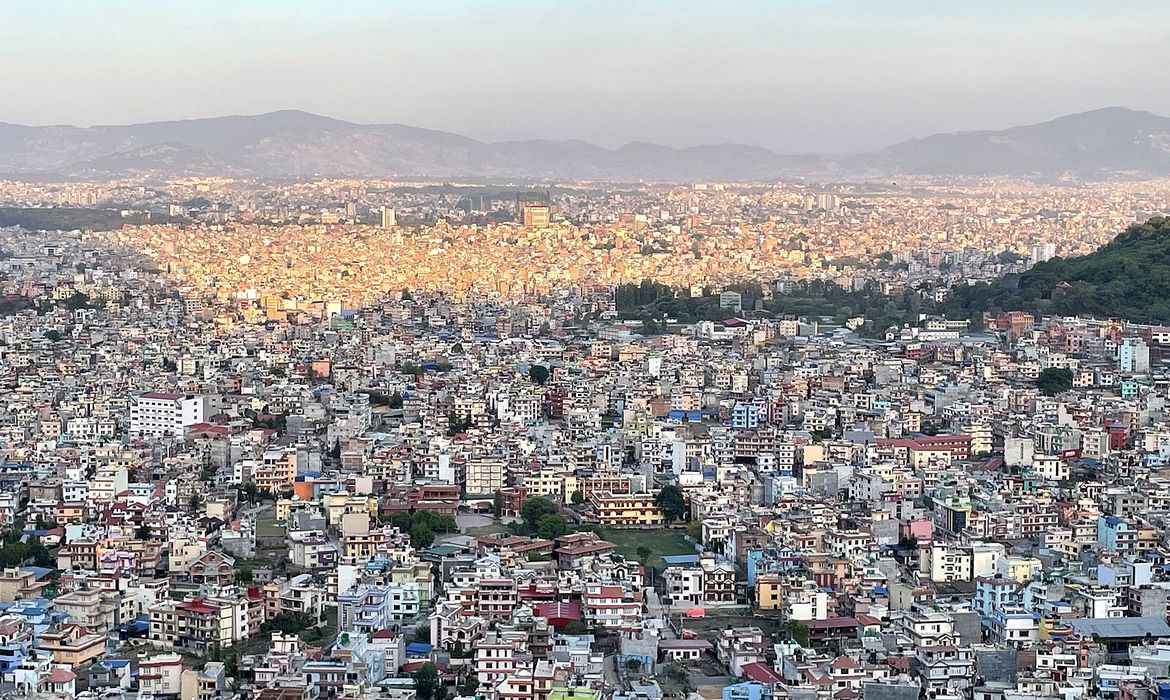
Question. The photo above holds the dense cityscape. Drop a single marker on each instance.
(592, 350)
(374, 440)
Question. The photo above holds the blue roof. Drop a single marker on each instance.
(116, 663)
(418, 648)
(675, 559)
(39, 571)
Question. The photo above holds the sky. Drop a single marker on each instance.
(820, 76)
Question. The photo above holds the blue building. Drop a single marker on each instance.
(747, 691)
(745, 416)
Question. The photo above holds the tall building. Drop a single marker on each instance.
(532, 208)
(536, 216)
(1042, 252)
(156, 413)
(389, 219)
(828, 202)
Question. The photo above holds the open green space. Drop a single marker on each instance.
(268, 527)
(661, 542)
(493, 528)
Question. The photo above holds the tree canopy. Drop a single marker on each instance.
(538, 374)
(1054, 380)
(671, 502)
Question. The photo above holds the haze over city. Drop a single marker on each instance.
(794, 77)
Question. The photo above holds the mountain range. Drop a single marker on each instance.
(1113, 142)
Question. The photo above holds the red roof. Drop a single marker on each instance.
(832, 623)
(761, 673)
(164, 395)
(559, 614)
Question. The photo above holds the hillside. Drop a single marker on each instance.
(1127, 278)
(1104, 143)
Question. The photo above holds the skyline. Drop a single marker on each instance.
(796, 78)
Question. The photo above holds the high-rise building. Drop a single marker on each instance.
(533, 200)
(828, 202)
(389, 220)
(536, 216)
(1042, 252)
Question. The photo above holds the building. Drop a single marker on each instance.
(163, 414)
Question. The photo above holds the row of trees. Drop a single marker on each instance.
(421, 525)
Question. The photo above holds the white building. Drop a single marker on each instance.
(159, 414)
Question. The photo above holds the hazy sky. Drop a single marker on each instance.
(817, 76)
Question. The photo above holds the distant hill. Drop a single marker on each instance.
(1128, 278)
(1112, 142)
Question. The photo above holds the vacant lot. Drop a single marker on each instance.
(663, 542)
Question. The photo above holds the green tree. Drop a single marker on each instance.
(536, 508)
(498, 504)
(142, 532)
(1054, 380)
(575, 627)
(427, 684)
(643, 553)
(538, 374)
(578, 497)
(421, 536)
(797, 631)
(288, 623)
(195, 502)
(671, 502)
(52, 335)
(470, 685)
(550, 527)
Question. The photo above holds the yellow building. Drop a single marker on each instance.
(625, 510)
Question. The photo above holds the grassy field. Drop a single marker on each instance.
(489, 529)
(268, 527)
(661, 543)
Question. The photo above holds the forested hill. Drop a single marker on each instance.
(1127, 278)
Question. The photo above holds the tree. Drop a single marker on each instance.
(421, 536)
(550, 527)
(427, 685)
(797, 631)
(143, 532)
(538, 374)
(195, 502)
(470, 685)
(498, 504)
(670, 501)
(575, 627)
(643, 553)
(536, 508)
(578, 497)
(52, 335)
(1054, 380)
(288, 623)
